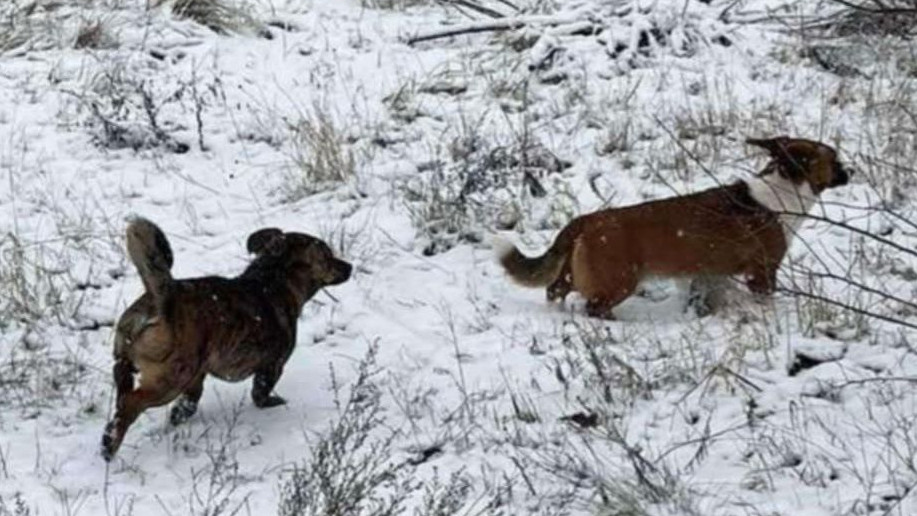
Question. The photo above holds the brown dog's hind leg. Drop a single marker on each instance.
(186, 406)
(603, 278)
(562, 285)
(263, 385)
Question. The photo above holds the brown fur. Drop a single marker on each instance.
(180, 331)
(718, 232)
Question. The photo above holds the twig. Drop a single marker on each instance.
(528, 481)
(475, 7)
(510, 5)
(858, 231)
(867, 313)
(878, 10)
(907, 379)
(857, 284)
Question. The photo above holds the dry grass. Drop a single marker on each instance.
(220, 16)
(320, 155)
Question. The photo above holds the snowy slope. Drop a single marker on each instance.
(694, 415)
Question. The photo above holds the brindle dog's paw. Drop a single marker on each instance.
(182, 411)
(270, 401)
(108, 444)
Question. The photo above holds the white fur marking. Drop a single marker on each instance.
(790, 200)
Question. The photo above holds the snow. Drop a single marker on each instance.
(469, 362)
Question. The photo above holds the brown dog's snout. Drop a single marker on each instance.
(842, 177)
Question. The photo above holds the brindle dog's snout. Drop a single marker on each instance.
(343, 270)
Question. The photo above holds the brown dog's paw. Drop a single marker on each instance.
(270, 401)
(558, 291)
(600, 309)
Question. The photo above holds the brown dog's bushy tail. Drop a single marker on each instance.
(533, 272)
(151, 253)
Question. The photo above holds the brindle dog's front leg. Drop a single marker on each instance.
(263, 384)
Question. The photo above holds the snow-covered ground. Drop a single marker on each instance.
(318, 116)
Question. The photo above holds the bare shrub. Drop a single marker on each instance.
(486, 186)
(604, 471)
(215, 488)
(15, 24)
(350, 470)
(44, 25)
(94, 35)
(125, 110)
(15, 506)
(36, 378)
(35, 285)
(446, 498)
(38, 290)
(881, 17)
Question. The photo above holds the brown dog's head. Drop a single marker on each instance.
(805, 160)
(303, 258)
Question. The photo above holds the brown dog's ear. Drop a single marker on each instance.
(793, 163)
(265, 241)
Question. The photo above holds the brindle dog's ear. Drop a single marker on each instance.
(793, 165)
(265, 241)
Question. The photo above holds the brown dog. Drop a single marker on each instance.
(740, 229)
(180, 331)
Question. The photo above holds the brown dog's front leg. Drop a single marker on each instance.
(763, 281)
(599, 308)
(262, 386)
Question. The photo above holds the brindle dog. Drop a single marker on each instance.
(180, 331)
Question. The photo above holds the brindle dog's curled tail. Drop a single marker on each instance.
(151, 253)
(539, 271)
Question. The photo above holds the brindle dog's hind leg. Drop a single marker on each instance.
(153, 392)
(186, 406)
(123, 373)
(263, 385)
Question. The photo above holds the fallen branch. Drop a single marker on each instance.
(502, 24)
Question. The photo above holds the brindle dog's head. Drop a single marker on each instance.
(303, 257)
(805, 160)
